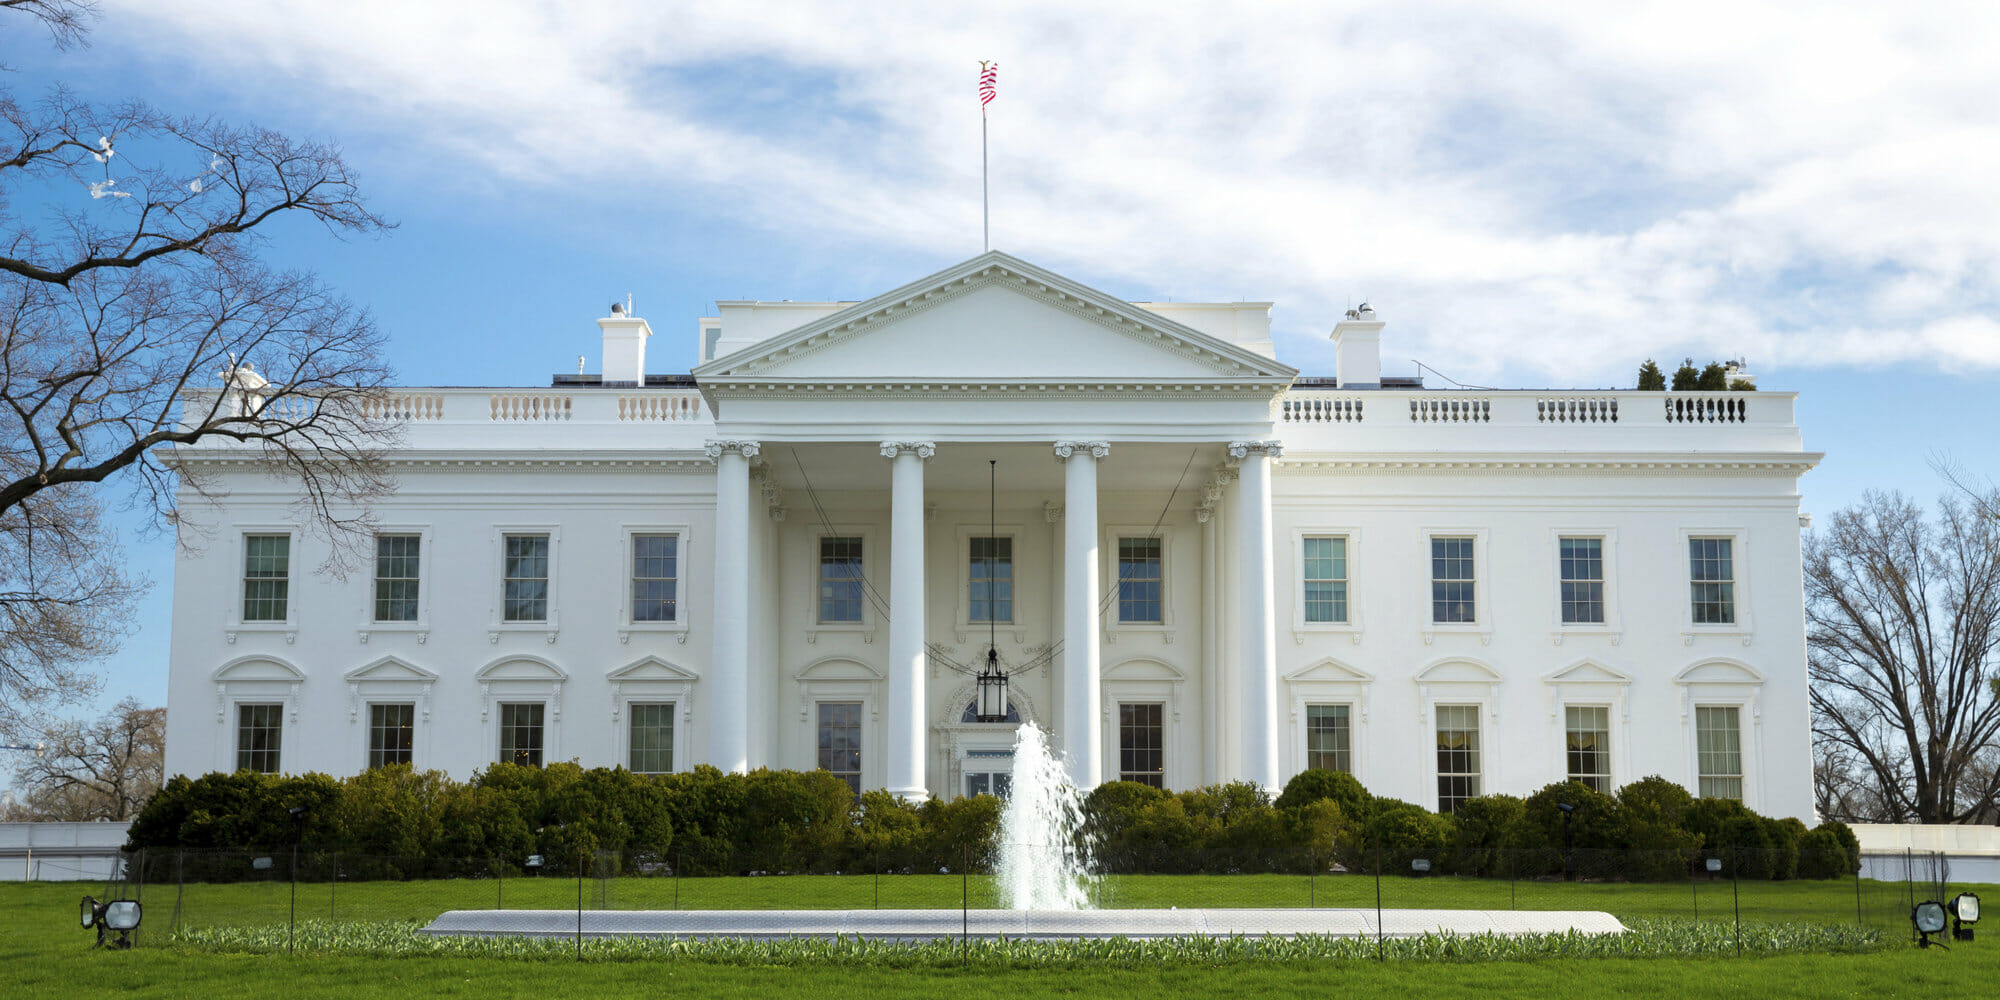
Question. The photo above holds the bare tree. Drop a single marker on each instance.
(102, 770)
(138, 318)
(1903, 616)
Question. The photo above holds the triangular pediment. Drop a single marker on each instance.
(1329, 672)
(1587, 672)
(993, 319)
(651, 668)
(390, 668)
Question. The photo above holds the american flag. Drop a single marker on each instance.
(989, 72)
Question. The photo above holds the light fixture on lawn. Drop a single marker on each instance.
(119, 915)
(1964, 909)
(1928, 917)
(992, 694)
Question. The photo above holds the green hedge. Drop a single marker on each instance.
(707, 822)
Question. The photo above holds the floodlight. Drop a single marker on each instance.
(122, 915)
(1566, 808)
(1420, 865)
(1713, 864)
(1964, 908)
(260, 864)
(87, 916)
(1928, 916)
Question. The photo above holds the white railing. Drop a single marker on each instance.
(405, 406)
(662, 406)
(530, 406)
(1576, 409)
(1320, 408)
(1451, 410)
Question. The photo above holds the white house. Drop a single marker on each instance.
(1197, 565)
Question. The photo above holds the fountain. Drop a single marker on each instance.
(1039, 864)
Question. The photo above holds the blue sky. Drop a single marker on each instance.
(1532, 194)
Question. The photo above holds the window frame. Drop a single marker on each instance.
(683, 592)
(1482, 572)
(369, 749)
(1119, 726)
(1606, 749)
(497, 622)
(962, 537)
(1742, 775)
(1353, 625)
(1480, 758)
(1107, 543)
(1612, 626)
(500, 727)
(860, 750)
(1348, 723)
(673, 747)
(871, 555)
(1743, 627)
(277, 709)
(239, 555)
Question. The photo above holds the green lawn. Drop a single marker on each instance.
(43, 954)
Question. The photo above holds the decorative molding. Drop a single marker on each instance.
(1240, 450)
(1677, 465)
(1097, 449)
(715, 448)
(1051, 511)
(922, 449)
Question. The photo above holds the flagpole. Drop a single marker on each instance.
(985, 200)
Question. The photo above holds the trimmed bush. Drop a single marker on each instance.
(1313, 785)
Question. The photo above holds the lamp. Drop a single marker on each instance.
(992, 689)
(120, 915)
(992, 700)
(1928, 918)
(1964, 909)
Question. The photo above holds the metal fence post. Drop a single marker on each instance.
(332, 885)
(1378, 906)
(499, 884)
(292, 931)
(1735, 893)
(579, 905)
(180, 884)
(680, 859)
(1859, 920)
(965, 902)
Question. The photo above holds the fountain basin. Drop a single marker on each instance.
(1047, 925)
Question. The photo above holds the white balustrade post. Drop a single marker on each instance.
(1083, 688)
(729, 712)
(1259, 676)
(905, 726)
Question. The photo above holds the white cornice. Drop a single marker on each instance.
(681, 460)
(1625, 463)
(1267, 387)
(995, 268)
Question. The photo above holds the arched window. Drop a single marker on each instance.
(971, 713)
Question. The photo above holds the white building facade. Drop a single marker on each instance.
(1195, 565)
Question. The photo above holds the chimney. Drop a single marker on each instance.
(624, 347)
(1357, 344)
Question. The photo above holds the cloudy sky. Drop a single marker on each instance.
(1532, 194)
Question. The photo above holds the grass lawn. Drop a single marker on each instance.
(43, 954)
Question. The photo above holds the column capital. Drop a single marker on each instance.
(1240, 450)
(922, 449)
(1097, 449)
(717, 448)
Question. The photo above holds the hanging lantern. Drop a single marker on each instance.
(992, 689)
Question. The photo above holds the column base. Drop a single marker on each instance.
(914, 795)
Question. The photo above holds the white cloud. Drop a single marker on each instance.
(1526, 191)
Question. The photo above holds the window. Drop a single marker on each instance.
(652, 728)
(1451, 580)
(1588, 735)
(521, 734)
(1142, 755)
(390, 732)
(1325, 565)
(655, 578)
(526, 597)
(1458, 755)
(839, 580)
(1712, 576)
(267, 571)
(258, 732)
(840, 741)
(992, 575)
(998, 784)
(1718, 740)
(1582, 580)
(1139, 581)
(397, 561)
(1329, 745)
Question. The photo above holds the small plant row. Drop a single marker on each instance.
(397, 823)
(1642, 939)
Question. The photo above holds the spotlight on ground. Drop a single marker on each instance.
(118, 915)
(1964, 909)
(1928, 916)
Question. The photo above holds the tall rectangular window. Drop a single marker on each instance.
(1139, 581)
(840, 741)
(1712, 577)
(1142, 755)
(839, 579)
(527, 579)
(398, 560)
(1587, 735)
(655, 578)
(1718, 741)
(1329, 744)
(1452, 581)
(259, 732)
(267, 577)
(1582, 580)
(1325, 564)
(992, 575)
(1458, 755)
(521, 734)
(652, 732)
(391, 733)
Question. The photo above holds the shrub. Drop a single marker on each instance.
(1487, 829)
(1845, 835)
(1822, 855)
(1654, 811)
(1399, 831)
(1313, 785)
(1650, 377)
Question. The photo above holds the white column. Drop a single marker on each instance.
(1259, 724)
(1083, 688)
(729, 675)
(904, 729)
